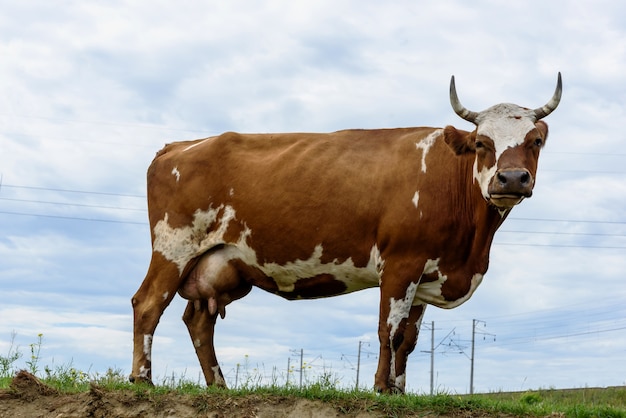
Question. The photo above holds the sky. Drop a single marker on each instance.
(91, 90)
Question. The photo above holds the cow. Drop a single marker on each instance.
(311, 215)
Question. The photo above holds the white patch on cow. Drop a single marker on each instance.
(147, 346)
(180, 245)
(286, 276)
(506, 124)
(176, 173)
(376, 262)
(197, 343)
(231, 192)
(165, 295)
(355, 278)
(196, 144)
(430, 292)
(484, 178)
(425, 144)
(399, 309)
(416, 199)
(144, 372)
(401, 382)
(217, 376)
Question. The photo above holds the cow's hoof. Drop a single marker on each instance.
(140, 380)
(389, 390)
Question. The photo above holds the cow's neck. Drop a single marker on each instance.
(478, 216)
(487, 220)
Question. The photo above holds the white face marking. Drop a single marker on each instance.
(416, 199)
(147, 346)
(507, 126)
(425, 145)
(176, 173)
(484, 178)
(431, 292)
(165, 295)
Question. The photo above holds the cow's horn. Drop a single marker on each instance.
(548, 108)
(460, 110)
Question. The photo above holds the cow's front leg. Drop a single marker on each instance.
(395, 309)
(411, 327)
(153, 296)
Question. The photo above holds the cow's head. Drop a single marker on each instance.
(506, 143)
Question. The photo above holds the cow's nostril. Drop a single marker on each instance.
(502, 178)
(525, 178)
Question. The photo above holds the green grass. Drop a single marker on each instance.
(579, 403)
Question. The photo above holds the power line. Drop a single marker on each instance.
(73, 218)
(49, 189)
(72, 204)
(519, 244)
(595, 234)
(106, 123)
(567, 220)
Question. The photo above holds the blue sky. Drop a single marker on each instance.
(91, 90)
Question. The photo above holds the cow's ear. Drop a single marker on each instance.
(542, 127)
(461, 142)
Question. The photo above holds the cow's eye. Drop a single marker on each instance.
(479, 144)
(538, 142)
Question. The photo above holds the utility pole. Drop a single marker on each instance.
(358, 367)
(301, 365)
(474, 322)
(432, 358)
(432, 355)
(288, 369)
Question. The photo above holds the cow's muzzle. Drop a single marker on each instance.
(509, 186)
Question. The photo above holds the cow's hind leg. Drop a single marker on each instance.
(212, 285)
(201, 325)
(154, 295)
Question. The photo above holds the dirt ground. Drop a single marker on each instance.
(29, 397)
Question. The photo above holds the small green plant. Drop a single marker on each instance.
(530, 398)
(67, 376)
(35, 349)
(111, 378)
(6, 362)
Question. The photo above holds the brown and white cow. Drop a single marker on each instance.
(310, 215)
